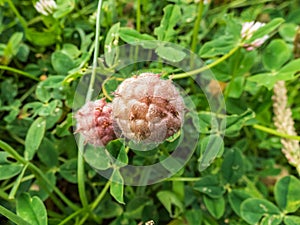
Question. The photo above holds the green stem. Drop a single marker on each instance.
(28, 75)
(105, 92)
(44, 185)
(27, 93)
(83, 10)
(209, 66)
(14, 9)
(38, 173)
(97, 201)
(18, 139)
(138, 25)
(12, 217)
(80, 168)
(17, 183)
(76, 213)
(189, 179)
(12, 152)
(55, 215)
(3, 195)
(9, 186)
(196, 26)
(272, 131)
(83, 219)
(234, 73)
(252, 187)
(92, 206)
(81, 181)
(138, 16)
(236, 4)
(101, 196)
(96, 53)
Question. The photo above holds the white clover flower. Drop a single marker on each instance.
(45, 7)
(248, 29)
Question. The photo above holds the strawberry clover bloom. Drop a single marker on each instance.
(248, 29)
(94, 122)
(147, 108)
(45, 7)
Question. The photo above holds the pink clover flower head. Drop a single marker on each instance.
(147, 109)
(45, 7)
(248, 29)
(94, 122)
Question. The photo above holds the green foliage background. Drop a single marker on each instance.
(241, 179)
